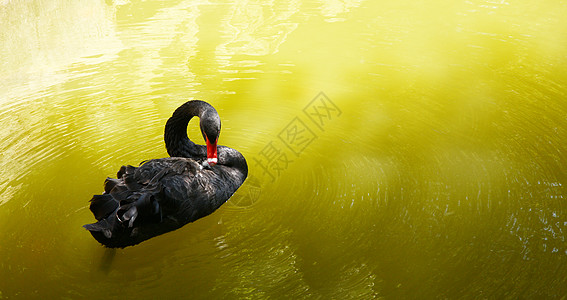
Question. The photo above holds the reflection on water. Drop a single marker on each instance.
(432, 165)
(41, 38)
(256, 29)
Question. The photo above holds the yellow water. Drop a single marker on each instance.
(397, 149)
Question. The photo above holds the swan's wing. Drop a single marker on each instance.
(144, 197)
(159, 196)
(137, 190)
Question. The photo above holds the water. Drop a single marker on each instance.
(404, 149)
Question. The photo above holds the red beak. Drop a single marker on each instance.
(211, 152)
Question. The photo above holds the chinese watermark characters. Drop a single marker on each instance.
(278, 154)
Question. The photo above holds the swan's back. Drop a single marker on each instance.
(159, 196)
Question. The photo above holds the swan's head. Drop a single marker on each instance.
(210, 128)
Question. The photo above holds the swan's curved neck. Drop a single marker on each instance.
(176, 141)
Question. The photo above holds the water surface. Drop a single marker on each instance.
(406, 149)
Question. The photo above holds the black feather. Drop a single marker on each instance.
(103, 205)
(109, 184)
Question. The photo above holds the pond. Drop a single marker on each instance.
(397, 149)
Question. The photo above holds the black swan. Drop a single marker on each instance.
(164, 194)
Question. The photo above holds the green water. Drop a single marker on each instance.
(397, 149)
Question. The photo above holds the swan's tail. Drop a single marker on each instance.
(104, 208)
(123, 202)
(116, 225)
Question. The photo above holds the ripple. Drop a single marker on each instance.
(443, 177)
